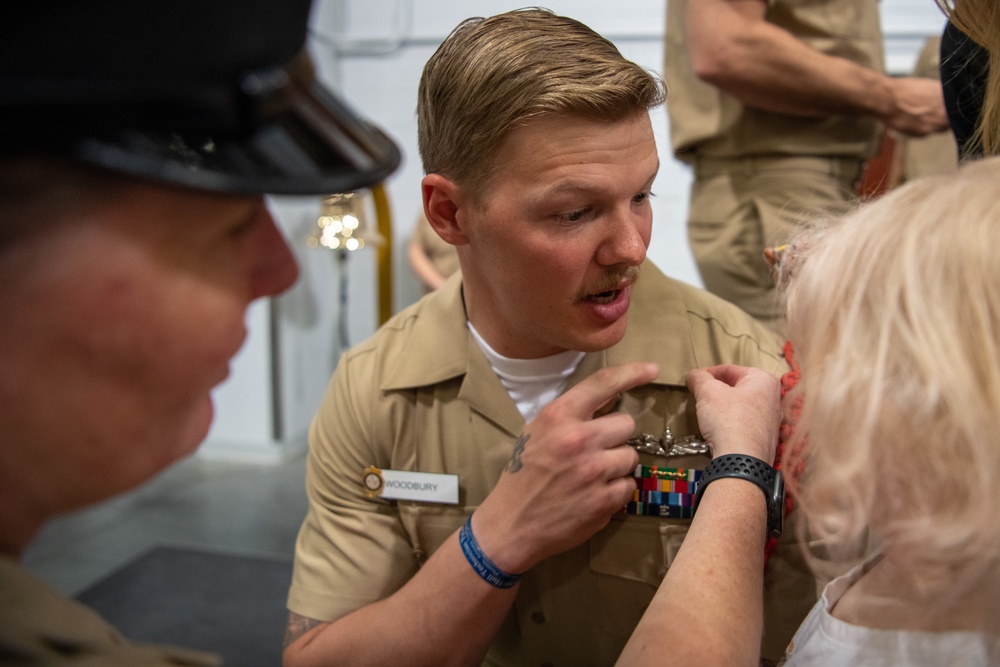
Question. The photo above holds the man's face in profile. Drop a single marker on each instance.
(121, 318)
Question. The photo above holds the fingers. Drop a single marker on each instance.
(697, 379)
(591, 394)
(700, 379)
(608, 407)
(730, 380)
(611, 430)
(728, 373)
(621, 461)
(620, 491)
(919, 108)
(738, 409)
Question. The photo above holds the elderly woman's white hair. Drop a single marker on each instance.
(894, 315)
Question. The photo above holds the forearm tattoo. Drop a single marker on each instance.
(515, 459)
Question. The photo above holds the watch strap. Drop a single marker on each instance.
(753, 470)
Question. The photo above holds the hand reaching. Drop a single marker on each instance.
(570, 471)
(919, 108)
(738, 409)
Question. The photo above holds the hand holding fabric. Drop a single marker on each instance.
(738, 409)
(570, 471)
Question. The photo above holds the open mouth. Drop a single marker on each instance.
(610, 288)
(603, 297)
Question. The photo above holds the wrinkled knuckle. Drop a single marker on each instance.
(551, 413)
(591, 471)
(633, 457)
(573, 443)
(606, 376)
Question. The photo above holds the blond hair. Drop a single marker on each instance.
(894, 315)
(980, 20)
(491, 74)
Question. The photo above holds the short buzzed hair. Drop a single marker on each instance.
(492, 74)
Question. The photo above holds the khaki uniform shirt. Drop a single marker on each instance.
(421, 396)
(39, 626)
(707, 122)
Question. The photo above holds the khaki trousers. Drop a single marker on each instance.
(740, 206)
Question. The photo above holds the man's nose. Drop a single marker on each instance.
(628, 238)
(274, 267)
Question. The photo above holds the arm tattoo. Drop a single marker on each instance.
(515, 459)
(298, 626)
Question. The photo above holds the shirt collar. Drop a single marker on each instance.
(438, 317)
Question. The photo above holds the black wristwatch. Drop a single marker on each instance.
(754, 470)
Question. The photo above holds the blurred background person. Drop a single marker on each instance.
(777, 106)
(133, 237)
(901, 158)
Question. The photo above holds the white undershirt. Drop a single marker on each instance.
(531, 383)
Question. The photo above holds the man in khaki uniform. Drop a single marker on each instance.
(777, 104)
(133, 237)
(540, 177)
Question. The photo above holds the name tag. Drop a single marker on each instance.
(425, 487)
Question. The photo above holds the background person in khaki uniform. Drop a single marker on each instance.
(777, 104)
(540, 176)
(432, 258)
(130, 252)
(900, 158)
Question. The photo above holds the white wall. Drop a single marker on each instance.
(372, 52)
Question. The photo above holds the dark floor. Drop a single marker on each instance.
(230, 507)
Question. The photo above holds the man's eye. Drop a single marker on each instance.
(641, 197)
(574, 216)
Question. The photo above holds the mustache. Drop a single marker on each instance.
(612, 280)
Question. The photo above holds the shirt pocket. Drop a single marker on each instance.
(637, 548)
(628, 560)
(428, 525)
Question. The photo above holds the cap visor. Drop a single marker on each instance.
(314, 145)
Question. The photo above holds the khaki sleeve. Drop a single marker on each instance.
(351, 549)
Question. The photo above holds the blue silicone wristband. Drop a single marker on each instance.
(480, 562)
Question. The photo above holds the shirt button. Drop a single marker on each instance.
(538, 617)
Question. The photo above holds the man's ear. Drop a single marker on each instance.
(443, 200)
